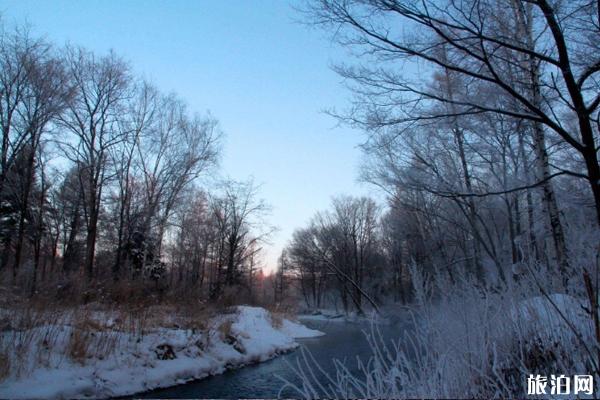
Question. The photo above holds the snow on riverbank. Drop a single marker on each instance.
(325, 315)
(137, 363)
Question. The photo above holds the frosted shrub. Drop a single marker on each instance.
(468, 342)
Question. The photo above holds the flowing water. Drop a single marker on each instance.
(343, 341)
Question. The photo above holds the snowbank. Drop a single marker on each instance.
(326, 315)
(162, 358)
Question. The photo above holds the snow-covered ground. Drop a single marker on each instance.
(328, 315)
(137, 363)
(323, 315)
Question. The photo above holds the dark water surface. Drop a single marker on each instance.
(343, 341)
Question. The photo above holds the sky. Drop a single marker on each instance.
(264, 76)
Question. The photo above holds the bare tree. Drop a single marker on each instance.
(311, 272)
(46, 96)
(343, 242)
(35, 90)
(194, 239)
(391, 32)
(92, 119)
(240, 223)
(140, 113)
(173, 150)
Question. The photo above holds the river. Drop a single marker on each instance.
(342, 341)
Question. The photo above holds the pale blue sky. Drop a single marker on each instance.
(265, 77)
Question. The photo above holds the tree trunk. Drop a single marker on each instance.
(90, 245)
(549, 200)
(19, 245)
(591, 161)
(533, 242)
(472, 213)
(116, 270)
(69, 253)
(24, 206)
(39, 235)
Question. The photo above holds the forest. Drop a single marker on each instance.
(99, 182)
(490, 165)
(480, 122)
(489, 158)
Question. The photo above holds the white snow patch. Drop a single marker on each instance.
(299, 331)
(135, 366)
(334, 316)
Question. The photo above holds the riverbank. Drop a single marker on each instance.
(66, 358)
(344, 341)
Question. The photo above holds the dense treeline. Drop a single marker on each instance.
(99, 180)
(482, 121)
(340, 249)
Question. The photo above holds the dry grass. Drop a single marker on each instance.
(20, 335)
(80, 322)
(195, 315)
(286, 309)
(78, 346)
(33, 334)
(276, 320)
(279, 312)
(225, 329)
(86, 323)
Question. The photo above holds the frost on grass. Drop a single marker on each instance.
(470, 343)
(68, 356)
